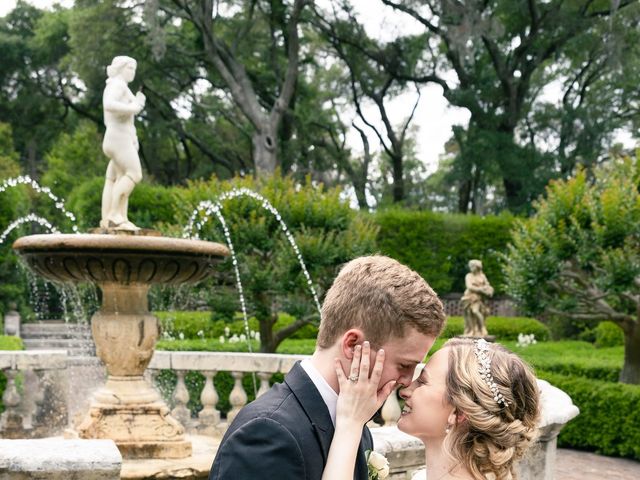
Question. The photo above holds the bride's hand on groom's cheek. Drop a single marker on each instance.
(360, 396)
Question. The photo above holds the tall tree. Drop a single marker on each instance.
(502, 53)
(579, 255)
(229, 36)
(36, 119)
(368, 83)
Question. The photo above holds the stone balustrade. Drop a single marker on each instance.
(31, 369)
(263, 365)
(405, 453)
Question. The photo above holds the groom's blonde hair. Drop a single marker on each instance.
(381, 297)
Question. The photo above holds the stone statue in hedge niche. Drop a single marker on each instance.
(473, 303)
(120, 143)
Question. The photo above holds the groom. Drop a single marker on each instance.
(286, 433)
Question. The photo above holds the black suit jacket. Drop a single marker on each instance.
(285, 434)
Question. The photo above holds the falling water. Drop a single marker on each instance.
(27, 180)
(31, 218)
(210, 207)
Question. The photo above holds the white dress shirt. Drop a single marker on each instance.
(327, 393)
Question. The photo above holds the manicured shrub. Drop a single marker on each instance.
(607, 422)
(608, 334)
(504, 328)
(439, 246)
(9, 342)
(150, 206)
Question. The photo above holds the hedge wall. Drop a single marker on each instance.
(504, 328)
(608, 420)
(439, 246)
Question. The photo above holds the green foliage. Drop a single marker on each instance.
(201, 325)
(439, 246)
(150, 206)
(579, 255)
(608, 334)
(607, 421)
(579, 359)
(9, 342)
(74, 158)
(327, 231)
(14, 203)
(504, 328)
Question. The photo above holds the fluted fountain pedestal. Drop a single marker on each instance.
(127, 409)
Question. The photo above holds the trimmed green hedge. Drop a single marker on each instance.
(439, 246)
(198, 325)
(7, 342)
(608, 420)
(573, 358)
(504, 328)
(608, 334)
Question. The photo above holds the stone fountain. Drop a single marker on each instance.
(127, 409)
(124, 261)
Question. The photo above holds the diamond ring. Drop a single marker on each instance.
(353, 378)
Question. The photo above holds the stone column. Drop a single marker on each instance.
(128, 409)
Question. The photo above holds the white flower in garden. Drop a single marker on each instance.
(227, 331)
(526, 340)
(181, 336)
(221, 339)
(243, 337)
(258, 336)
(201, 334)
(234, 339)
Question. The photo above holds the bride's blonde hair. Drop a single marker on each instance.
(490, 435)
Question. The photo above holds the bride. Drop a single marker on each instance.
(474, 405)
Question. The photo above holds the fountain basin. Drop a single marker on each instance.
(120, 259)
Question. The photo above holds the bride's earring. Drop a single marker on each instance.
(448, 429)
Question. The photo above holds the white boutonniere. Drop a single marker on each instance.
(377, 464)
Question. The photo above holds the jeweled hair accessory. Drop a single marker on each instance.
(481, 349)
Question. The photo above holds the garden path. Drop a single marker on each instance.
(577, 465)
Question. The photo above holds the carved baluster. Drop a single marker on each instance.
(391, 409)
(11, 420)
(264, 383)
(209, 416)
(42, 383)
(180, 400)
(237, 397)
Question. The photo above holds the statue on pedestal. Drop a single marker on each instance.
(473, 303)
(120, 143)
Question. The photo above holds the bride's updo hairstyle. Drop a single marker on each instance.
(118, 63)
(497, 407)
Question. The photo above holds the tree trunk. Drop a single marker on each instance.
(464, 195)
(360, 189)
(631, 368)
(267, 338)
(264, 151)
(398, 179)
(513, 192)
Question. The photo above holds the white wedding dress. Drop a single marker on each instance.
(420, 475)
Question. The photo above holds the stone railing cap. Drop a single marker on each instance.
(58, 455)
(556, 406)
(33, 359)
